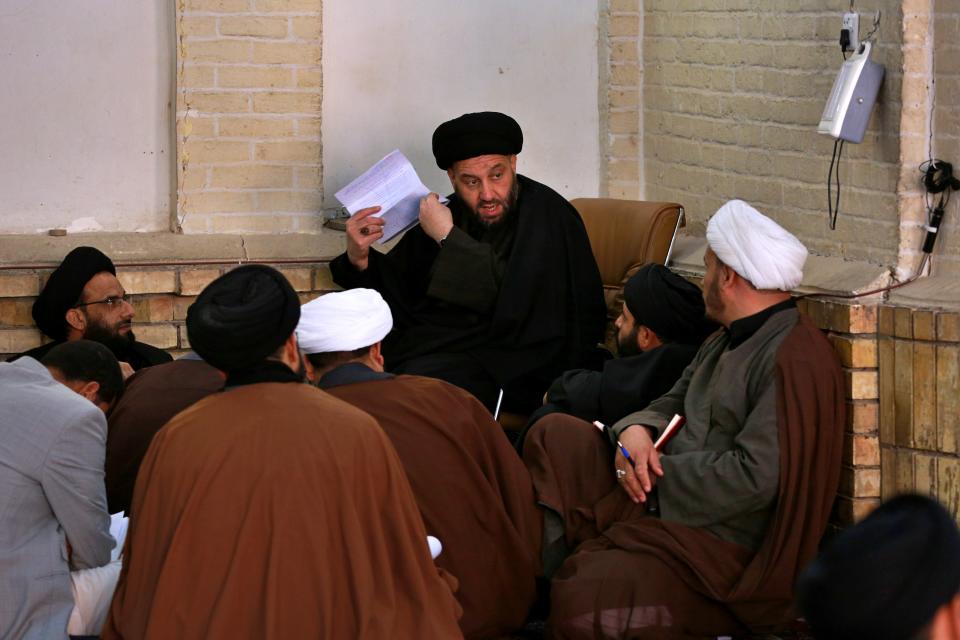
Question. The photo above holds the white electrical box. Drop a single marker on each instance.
(852, 98)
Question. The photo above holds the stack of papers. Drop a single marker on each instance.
(391, 184)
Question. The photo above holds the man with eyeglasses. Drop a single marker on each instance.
(84, 300)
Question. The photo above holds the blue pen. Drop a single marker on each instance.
(626, 454)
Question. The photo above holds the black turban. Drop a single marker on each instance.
(64, 287)
(667, 304)
(476, 134)
(885, 577)
(242, 317)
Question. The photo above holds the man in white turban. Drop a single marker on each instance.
(473, 491)
(705, 534)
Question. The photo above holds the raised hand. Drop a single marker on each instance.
(363, 229)
(435, 217)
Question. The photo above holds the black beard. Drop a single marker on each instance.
(508, 206)
(113, 340)
(628, 347)
(303, 370)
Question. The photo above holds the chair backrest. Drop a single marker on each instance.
(627, 234)
(624, 236)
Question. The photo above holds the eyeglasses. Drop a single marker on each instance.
(111, 302)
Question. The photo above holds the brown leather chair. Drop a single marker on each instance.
(624, 235)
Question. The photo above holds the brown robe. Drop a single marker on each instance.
(273, 510)
(151, 397)
(473, 490)
(636, 576)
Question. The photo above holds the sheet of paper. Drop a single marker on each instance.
(394, 186)
(118, 529)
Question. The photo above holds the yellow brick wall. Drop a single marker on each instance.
(919, 378)
(160, 297)
(248, 116)
(732, 95)
(852, 329)
(620, 101)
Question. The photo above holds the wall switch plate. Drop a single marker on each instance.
(851, 22)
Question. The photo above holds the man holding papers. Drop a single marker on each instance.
(498, 290)
(707, 536)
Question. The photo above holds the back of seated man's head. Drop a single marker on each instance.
(894, 575)
(83, 299)
(89, 368)
(244, 319)
(660, 307)
(344, 326)
(479, 153)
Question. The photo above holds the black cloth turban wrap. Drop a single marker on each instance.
(667, 304)
(242, 317)
(886, 576)
(64, 287)
(476, 134)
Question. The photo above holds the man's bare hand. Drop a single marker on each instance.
(435, 217)
(362, 231)
(642, 475)
(125, 369)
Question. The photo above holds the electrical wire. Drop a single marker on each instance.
(851, 296)
(876, 25)
(833, 203)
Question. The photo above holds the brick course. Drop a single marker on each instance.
(731, 98)
(160, 297)
(919, 375)
(248, 109)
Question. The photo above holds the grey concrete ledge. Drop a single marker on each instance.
(161, 247)
(935, 292)
(835, 276)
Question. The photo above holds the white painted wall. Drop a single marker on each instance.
(393, 71)
(85, 115)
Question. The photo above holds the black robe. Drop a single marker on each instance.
(137, 354)
(625, 385)
(521, 301)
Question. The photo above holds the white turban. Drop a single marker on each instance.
(343, 321)
(756, 247)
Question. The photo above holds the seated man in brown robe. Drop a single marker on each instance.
(896, 574)
(473, 491)
(272, 510)
(152, 396)
(498, 290)
(83, 299)
(704, 537)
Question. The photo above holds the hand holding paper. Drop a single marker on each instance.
(435, 218)
(363, 229)
(393, 185)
